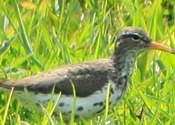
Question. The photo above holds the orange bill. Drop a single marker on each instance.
(158, 46)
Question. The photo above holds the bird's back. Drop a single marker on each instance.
(86, 77)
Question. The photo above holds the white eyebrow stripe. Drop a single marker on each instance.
(127, 33)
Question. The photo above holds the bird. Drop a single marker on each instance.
(91, 80)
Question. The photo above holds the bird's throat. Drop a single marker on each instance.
(124, 63)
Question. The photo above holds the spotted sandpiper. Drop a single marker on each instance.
(90, 79)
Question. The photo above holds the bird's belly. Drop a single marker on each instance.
(83, 107)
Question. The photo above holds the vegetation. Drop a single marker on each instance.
(40, 35)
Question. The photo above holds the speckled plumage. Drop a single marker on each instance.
(90, 79)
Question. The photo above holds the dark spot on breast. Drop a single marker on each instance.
(98, 104)
(111, 90)
(61, 104)
(95, 104)
(123, 79)
(80, 108)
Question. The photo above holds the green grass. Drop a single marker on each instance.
(39, 36)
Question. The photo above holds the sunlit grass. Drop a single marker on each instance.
(39, 36)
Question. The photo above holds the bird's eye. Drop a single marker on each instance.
(135, 37)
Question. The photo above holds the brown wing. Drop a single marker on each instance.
(86, 77)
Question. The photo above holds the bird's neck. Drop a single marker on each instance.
(124, 63)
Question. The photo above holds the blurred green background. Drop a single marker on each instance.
(36, 36)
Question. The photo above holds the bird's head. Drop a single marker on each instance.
(136, 40)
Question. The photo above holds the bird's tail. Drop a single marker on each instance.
(4, 83)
